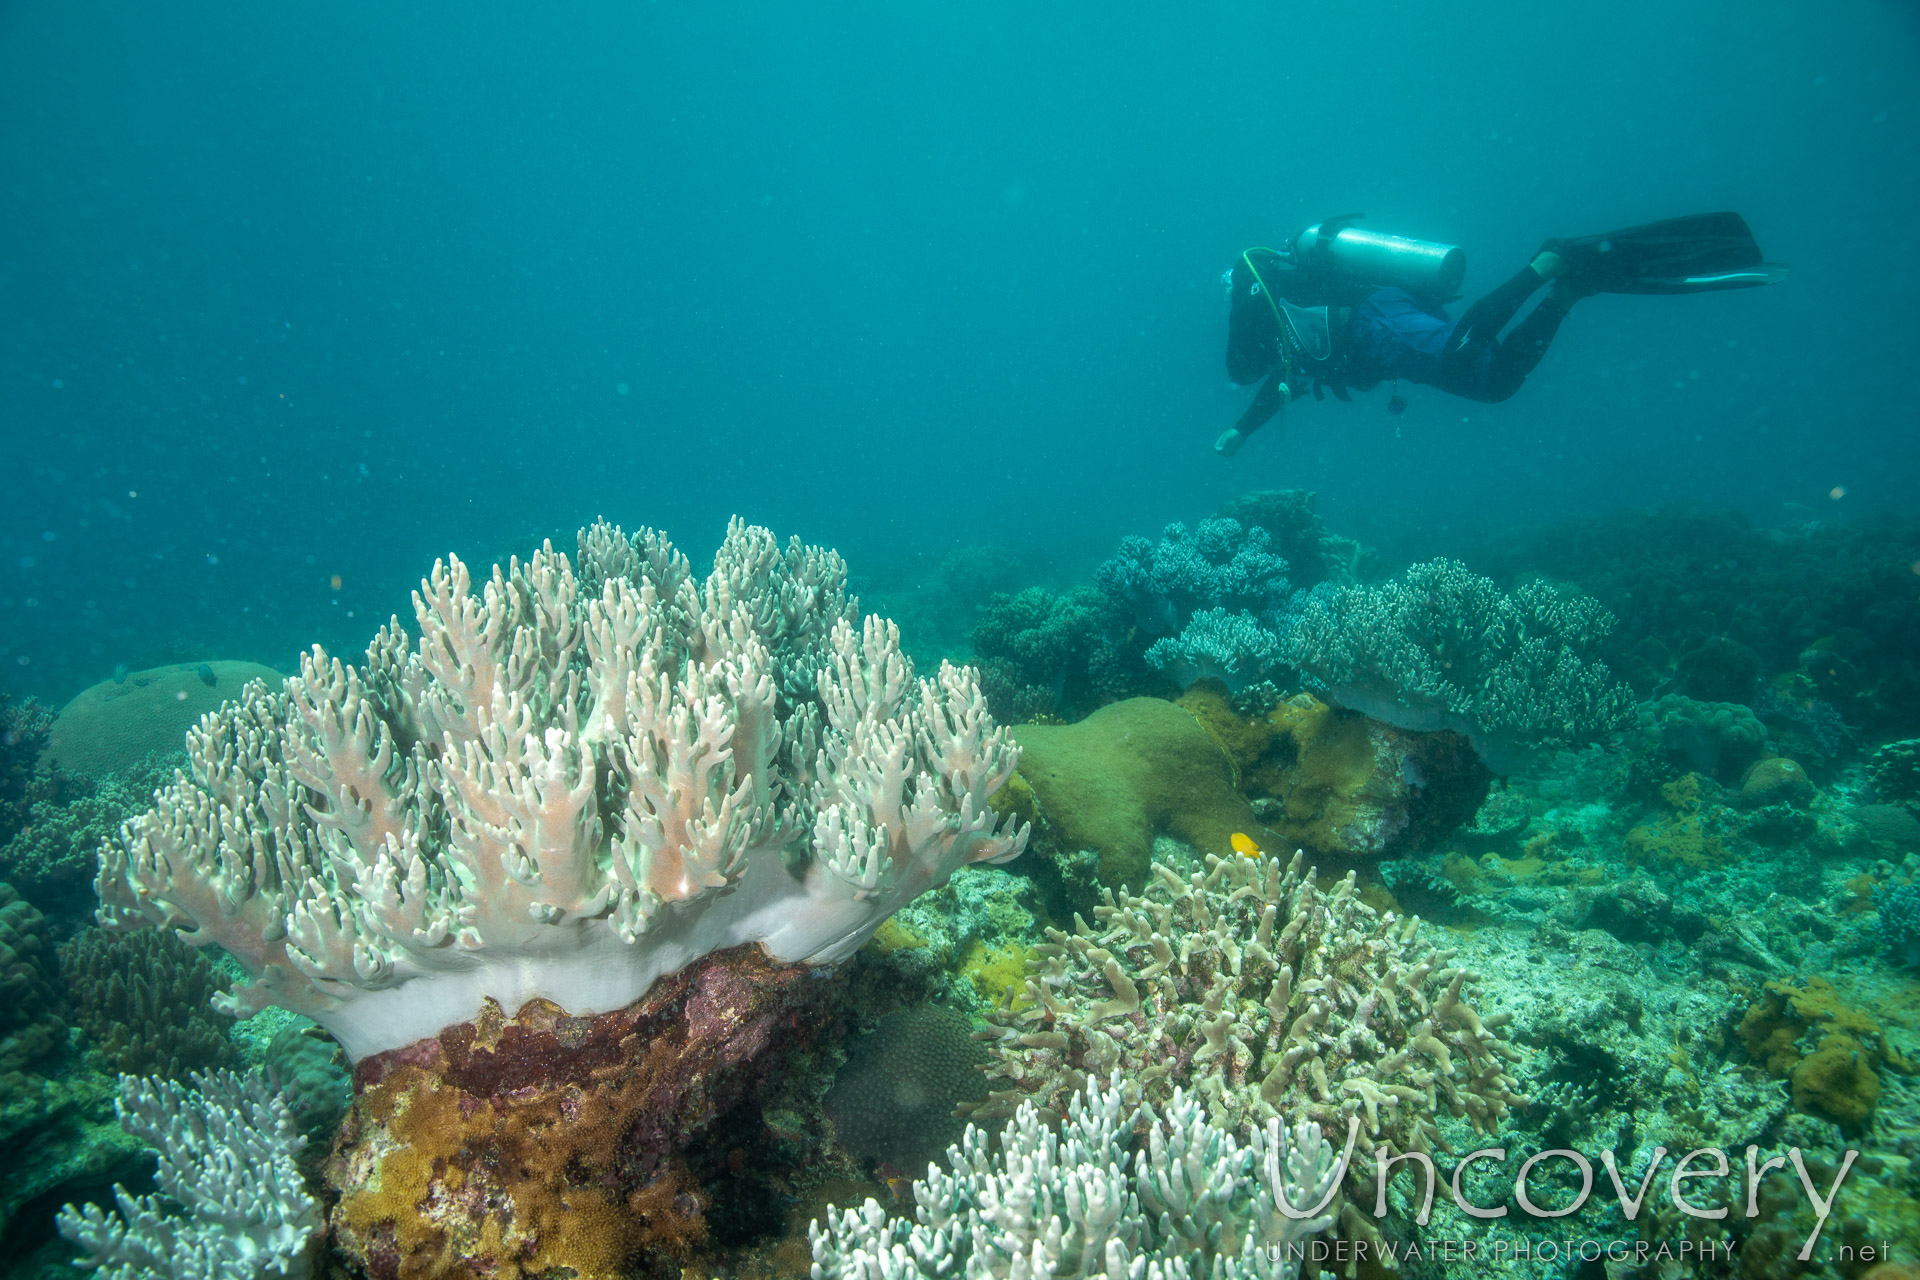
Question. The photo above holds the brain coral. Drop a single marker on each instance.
(114, 725)
(1248, 984)
(894, 1099)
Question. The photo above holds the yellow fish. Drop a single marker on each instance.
(1243, 845)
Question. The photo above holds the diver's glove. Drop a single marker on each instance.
(1229, 442)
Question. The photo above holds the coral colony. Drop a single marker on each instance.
(562, 872)
(575, 782)
(1049, 1203)
(1266, 997)
(1446, 649)
(227, 1148)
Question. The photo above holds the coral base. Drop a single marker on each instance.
(509, 1147)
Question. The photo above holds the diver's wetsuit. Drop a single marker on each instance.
(1391, 334)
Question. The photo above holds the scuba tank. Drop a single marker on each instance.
(1335, 249)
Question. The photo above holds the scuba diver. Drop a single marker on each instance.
(1341, 309)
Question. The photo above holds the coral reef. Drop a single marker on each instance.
(1828, 602)
(56, 1118)
(1894, 773)
(114, 726)
(571, 786)
(1675, 735)
(1128, 772)
(227, 1148)
(968, 940)
(145, 1001)
(1215, 602)
(1829, 1052)
(1445, 649)
(24, 729)
(1235, 649)
(31, 1029)
(53, 859)
(938, 599)
(1219, 565)
(516, 1146)
(1297, 535)
(893, 1101)
(1199, 1203)
(1890, 830)
(1900, 923)
(1044, 655)
(1266, 995)
(1691, 833)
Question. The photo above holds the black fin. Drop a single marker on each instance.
(1694, 254)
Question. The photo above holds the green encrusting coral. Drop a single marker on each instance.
(1687, 834)
(1829, 1052)
(1339, 784)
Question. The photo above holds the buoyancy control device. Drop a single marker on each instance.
(1288, 304)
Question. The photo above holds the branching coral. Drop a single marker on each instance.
(1043, 654)
(1297, 534)
(1900, 923)
(1446, 649)
(30, 1025)
(227, 1150)
(54, 857)
(23, 736)
(572, 784)
(143, 1001)
(1061, 1204)
(1233, 648)
(1265, 995)
(1217, 566)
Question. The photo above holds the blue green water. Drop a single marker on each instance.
(331, 291)
(296, 299)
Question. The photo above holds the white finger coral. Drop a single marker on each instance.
(577, 780)
(1062, 1204)
(226, 1150)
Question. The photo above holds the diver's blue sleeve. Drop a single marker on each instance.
(1394, 335)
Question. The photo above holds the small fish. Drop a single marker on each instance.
(120, 673)
(897, 1181)
(1243, 845)
(206, 675)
